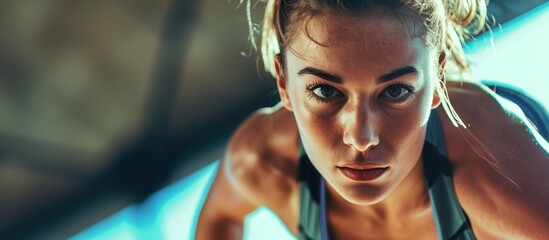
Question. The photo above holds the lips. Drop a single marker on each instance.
(362, 173)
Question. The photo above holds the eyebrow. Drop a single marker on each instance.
(319, 73)
(397, 73)
(333, 78)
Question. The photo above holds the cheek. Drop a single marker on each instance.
(406, 131)
(319, 132)
(315, 123)
(319, 138)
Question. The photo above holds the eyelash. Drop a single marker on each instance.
(312, 86)
(406, 86)
(310, 92)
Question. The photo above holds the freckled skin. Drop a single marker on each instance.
(360, 125)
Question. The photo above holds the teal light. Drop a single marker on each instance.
(172, 212)
(168, 214)
(517, 54)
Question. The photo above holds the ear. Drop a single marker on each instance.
(281, 82)
(441, 80)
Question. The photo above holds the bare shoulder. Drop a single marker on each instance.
(500, 165)
(261, 159)
(491, 120)
(267, 141)
(257, 169)
(269, 135)
(475, 103)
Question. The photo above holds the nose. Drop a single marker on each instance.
(360, 129)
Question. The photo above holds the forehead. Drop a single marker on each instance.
(377, 44)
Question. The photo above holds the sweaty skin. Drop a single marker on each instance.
(358, 91)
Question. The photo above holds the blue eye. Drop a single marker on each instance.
(325, 91)
(398, 92)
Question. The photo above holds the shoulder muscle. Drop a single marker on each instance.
(261, 162)
(252, 174)
(500, 175)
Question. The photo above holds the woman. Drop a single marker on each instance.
(359, 147)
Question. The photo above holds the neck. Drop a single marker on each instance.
(409, 200)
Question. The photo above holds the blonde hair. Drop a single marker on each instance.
(443, 25)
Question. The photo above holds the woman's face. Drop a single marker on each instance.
(361, 91)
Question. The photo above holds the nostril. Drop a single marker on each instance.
(361, 141)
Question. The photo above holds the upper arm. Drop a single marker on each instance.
(224, 209)
(501, 178)
(246, 179)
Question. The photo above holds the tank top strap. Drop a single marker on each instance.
(309, 198)
(450, 219)
(435, 133)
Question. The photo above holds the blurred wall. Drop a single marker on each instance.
(75, 79)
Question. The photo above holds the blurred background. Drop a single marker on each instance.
(105, 103)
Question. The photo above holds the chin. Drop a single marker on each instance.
(364, 195)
